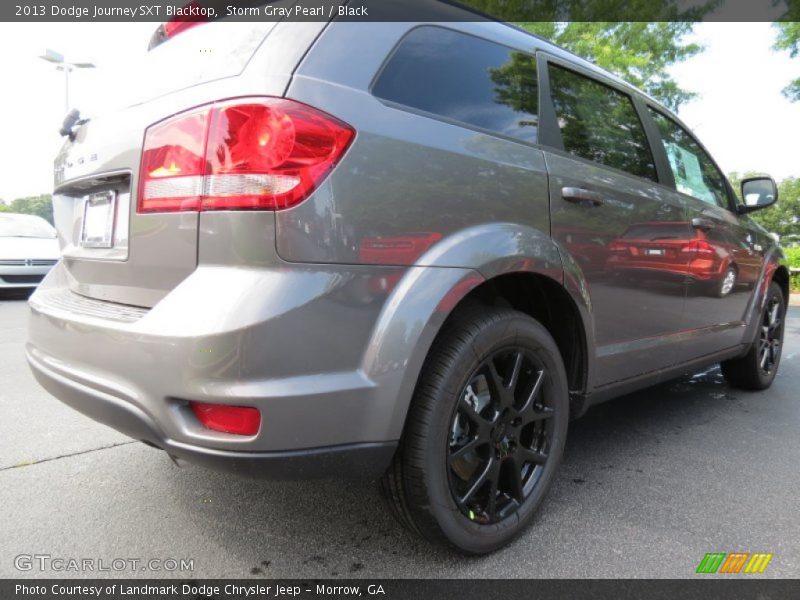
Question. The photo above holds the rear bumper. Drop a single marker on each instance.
(329, 358)
(346, 460)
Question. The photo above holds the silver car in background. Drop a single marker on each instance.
(28, 250)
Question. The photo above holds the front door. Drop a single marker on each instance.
(614, 222)
(725, 255)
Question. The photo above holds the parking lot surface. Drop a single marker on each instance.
(650, 483)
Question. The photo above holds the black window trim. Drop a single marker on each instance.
(729, 191)
(532, 52)
(550, 134)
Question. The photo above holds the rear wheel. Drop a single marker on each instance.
(485, 432)
(757, 369)
(725, 285)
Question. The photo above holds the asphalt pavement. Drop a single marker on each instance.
(650, 483)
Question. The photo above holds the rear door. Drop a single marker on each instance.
(726, 258)
(604, 180)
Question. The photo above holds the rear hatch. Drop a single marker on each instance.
(111, 252)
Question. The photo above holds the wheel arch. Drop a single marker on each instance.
(781, 277)
(501, 264)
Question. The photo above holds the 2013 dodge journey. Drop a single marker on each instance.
(408, 250)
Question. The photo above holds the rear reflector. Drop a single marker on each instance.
(239, 420)
(265, 154)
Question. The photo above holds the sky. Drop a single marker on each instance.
(740, 114)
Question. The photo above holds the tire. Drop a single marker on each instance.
(491, 402)
(756, 370)
(726, 284)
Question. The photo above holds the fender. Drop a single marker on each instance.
(773, 260)
(421, 302)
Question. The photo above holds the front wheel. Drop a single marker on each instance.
(485, 432)
(757, 369)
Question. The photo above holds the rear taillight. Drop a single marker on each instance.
(617, 247)
(264, 154)
(239, 420)
(698, 247)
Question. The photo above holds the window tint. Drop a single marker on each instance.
(695, 174)
(600, 123)
(466, 79)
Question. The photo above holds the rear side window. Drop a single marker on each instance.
(465, 79)
(600, 123)
(694, 171)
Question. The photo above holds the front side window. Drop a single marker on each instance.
(600, 123)
(465, 79)
(694, 172)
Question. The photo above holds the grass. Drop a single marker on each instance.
(793, 256)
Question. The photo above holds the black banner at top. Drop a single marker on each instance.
(399, 10)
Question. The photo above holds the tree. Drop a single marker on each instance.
(789, 39)
(640, 53)
(784, 217)
(41, 205)
(635, 39)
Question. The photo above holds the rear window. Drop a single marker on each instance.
(201, 54)
(465, 79)
(657, 232)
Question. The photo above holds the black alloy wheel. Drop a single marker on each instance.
(770, 336)
(500, 435)
(757, 369)
(485, 431)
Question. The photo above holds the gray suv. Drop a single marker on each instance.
(407, 250)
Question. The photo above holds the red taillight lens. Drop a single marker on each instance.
(267, 155)
(173, 164)
(239, 420)
(698, 247)
(617, 247)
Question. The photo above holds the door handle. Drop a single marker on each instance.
(701, 223)
(581, 196)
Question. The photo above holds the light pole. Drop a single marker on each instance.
(56, 58)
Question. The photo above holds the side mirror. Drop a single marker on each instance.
(758, 193)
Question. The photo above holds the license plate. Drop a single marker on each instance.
(654, 252)
(98, 220)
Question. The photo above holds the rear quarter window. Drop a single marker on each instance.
(465, 79)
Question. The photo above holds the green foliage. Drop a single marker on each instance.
(635, 39)
(789, 39)
(41, 205)
(597, 10)
(784, 217)
(793, 256)
(639, 53)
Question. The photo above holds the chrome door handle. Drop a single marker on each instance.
(701, 223)
(581, 196)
